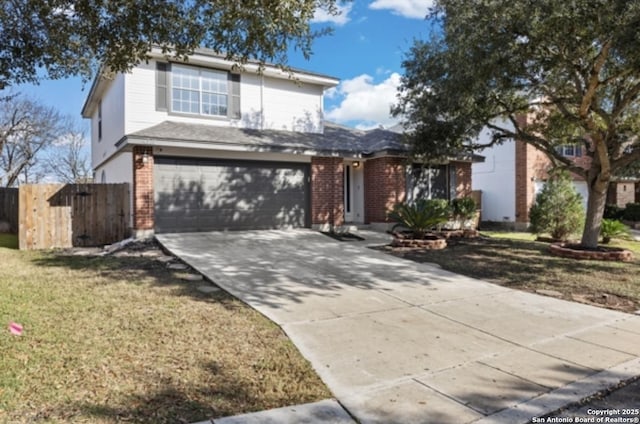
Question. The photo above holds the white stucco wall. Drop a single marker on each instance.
(113, 121)
(496, 177)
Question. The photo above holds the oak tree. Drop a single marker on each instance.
(544, 72)
(59, 38)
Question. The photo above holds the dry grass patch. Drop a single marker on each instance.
(515, 260)
(122, 339)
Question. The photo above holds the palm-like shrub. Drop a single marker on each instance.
(421, 216)
(558, 208)
(612, 228)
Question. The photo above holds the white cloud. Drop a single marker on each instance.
(364, 101)
(416, 9)
(321, 15)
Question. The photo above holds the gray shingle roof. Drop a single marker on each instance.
(335, 139)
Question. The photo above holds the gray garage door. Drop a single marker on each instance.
(205, 195)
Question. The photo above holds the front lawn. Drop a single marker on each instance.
(515, 260)
(123, 339)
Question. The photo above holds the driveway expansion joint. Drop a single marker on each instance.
(385, 356)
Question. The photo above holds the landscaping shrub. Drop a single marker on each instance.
(463, 208)
(632, 212)
(558, 208)
(613, 229)
(613, 212)
(421, 216)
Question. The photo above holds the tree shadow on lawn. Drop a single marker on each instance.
(136, 270)
(168, 402)
(525, 265)
(170, 396)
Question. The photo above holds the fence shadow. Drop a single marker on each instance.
(9, 209)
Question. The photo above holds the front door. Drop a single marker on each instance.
(354, 192)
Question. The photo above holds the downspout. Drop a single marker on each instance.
(262, 101)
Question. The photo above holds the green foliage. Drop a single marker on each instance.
(463, 208)
(558, 209)
(632, 212)
(613, 229)
(421, 216)
(67, 37)
(571, 67)
(613, 212)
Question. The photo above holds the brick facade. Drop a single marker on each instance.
(531, 165)
(463, 179)
(143, 200)
(621, 192)
(384, 186)
(327, 191)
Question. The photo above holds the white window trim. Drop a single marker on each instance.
(563, 149)
(200, 92)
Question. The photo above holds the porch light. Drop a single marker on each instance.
(145, 157)
(356, 164)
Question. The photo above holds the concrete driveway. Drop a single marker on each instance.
(401, 342)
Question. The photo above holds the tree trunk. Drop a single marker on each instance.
(595, 210)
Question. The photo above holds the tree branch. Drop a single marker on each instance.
(594, 80)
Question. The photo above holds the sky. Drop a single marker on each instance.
(365, 51)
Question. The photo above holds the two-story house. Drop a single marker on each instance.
(514, 172)
(205, 145)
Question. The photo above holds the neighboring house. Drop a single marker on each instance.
(206, 146)
(514, 172)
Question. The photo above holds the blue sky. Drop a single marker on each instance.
(365, 52)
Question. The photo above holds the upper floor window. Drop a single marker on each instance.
(569, 150)
(199, 91)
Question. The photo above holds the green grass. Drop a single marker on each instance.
(510, 235)
(110, 340)
(515, 260)
(8, 241)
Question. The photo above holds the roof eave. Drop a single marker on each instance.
(209, 57)
(137, 140)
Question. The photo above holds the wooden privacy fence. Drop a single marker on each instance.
(9, 207)
(70, 215)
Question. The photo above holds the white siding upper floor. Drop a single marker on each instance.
(265, 103)
(496, 177)
(112, 121)
(268, 100)
(292, 106)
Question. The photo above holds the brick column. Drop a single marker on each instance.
(327, 191)
(463, 179)
(384, 186)
(143, 201)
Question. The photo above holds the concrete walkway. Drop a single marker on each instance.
(401, 342)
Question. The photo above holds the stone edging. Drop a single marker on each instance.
(559, 249)
(433, 244)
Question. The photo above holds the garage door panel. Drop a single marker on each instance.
(202, 195)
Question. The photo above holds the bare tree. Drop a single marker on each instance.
(68, 160)
(27, 129)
